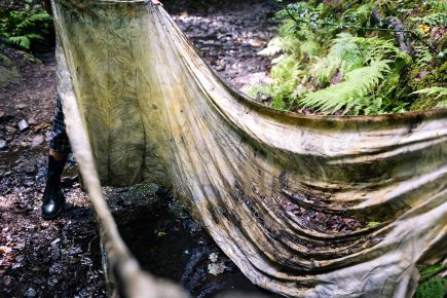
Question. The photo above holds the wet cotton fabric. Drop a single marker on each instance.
(142, 106)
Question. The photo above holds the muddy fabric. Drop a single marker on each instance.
(142, 106)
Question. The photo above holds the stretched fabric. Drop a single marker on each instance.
(142, 106)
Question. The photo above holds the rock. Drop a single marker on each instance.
(26, 166)
(29, 183)
(10, 130)
(55, 243)
(248, 81)
(3, 144)
(7, 280)
(213, 257)
(38, 127)
(32, 121)
(23, 144)
(21, 106)
(256, 42)
(23, 125)
(52, 281)
(56, 269)
(30, 293)
(37, 140)
(216, 268)
(19, 244)
(48, 136)
(8, 71)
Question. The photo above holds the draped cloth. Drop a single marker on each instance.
(142, 106)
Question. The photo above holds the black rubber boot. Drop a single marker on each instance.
(53, 197)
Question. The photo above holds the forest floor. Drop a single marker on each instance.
(61, 258)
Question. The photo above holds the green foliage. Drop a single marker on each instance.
(22, 27)
(435, 287)
(437, 15)
(363, 63)
(431, 271)
(351, 95)
(432, 78)
(438, 96)
(332, 57)
(373, 224)
(438, 92)
(431, 285)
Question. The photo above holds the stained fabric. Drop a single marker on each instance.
(142, 106)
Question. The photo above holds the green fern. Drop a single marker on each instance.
(437, 92)
(437, 15)
(434, 19)
(21, 41)
(285, 74)
(349, 52)
(436, 96)
(360, 14)
(274, 47)
(25, 26)
(328, 58)
(360, 63)
(344, 56)
(351, 95)
(28, 20)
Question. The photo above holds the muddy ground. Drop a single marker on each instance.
(61, 258)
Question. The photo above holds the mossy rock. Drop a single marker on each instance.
(8, 71)
(438, 78)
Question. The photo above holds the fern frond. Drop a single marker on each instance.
(22, 27)
(328, 63)
(351, 94)
(22, 41)
(437, 92)
(274, 47)
(437, 15)
(29, 21)
(286, 75)
(438, 5)
(344, 55)
(360, 14)
(434, 19)
(310, 48)
(349, 52)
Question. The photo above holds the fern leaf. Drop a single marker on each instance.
(350, 52)
(351, 94)
(32, 20)
(344, 54)
(438, 92)
(22, 41)
(274, 47)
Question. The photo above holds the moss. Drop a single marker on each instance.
(435, 287)
(8, 72)
(436, 77)
(431, 284)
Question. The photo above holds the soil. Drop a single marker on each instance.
(61, 258)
